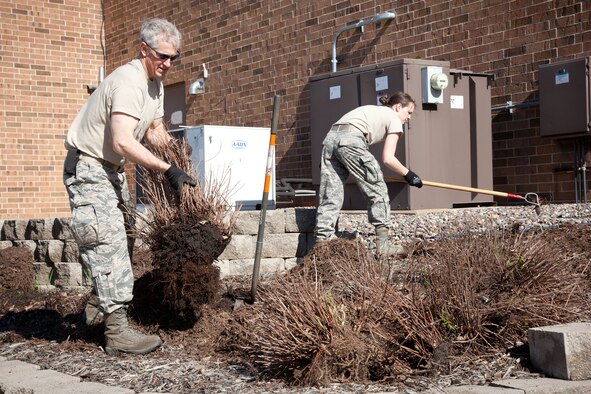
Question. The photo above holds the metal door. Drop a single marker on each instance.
(330, 98)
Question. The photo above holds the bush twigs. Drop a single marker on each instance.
(184, 232)
(342, 315)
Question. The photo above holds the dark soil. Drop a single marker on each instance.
(16, 269)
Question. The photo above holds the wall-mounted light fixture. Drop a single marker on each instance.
(198, 87)
(384, 16)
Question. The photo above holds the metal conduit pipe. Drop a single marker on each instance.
(510, 106)
(374, 19)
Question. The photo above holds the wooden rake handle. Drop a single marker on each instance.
(461, 188)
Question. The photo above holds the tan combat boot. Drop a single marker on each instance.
(92, 313)
(385, 248)
(120, 337)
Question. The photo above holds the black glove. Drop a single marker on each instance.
(177, 178)
(413, 179)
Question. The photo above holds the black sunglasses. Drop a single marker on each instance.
(163, 56)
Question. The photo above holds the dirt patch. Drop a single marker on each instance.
(16, 269)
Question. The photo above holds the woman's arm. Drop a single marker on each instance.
(389, 154)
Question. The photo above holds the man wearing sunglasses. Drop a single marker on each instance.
(125, 109)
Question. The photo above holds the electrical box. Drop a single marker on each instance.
(236, 157)
(448, 141)
(564, 98)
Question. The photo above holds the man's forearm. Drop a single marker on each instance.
(137, 153)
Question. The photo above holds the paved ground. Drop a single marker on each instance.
(23, 378)
(17, 377)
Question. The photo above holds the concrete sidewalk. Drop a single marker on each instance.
(17, 377)
(526, 386)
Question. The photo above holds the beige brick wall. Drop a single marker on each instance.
(50, 51)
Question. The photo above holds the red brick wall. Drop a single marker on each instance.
(50, 51)
(254, 49)
(535, 33)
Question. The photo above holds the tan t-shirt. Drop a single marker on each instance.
(374, 121)
(127, 90)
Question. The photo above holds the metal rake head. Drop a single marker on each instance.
(533, 199)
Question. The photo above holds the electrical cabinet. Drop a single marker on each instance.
(448, 139)
(236, 158)
(564, 98)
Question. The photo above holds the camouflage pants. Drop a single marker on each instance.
(98, 199)
(345, 152)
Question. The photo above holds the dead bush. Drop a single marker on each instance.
(345, 316)
(487, 290)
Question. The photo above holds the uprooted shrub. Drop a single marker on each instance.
(185, 234)
(345, 316)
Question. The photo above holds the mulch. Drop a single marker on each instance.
(48, 329)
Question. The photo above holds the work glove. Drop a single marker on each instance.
(413, 179)
(177, 178)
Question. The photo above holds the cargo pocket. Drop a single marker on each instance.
(102, 285)
(86, 226)
(373, 173)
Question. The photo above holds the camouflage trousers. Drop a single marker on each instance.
(99, 198)
(345, 152)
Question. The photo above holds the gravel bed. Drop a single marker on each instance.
(408, 226)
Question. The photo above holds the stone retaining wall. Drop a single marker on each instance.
(288, 237)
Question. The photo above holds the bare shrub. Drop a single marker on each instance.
(487, 290)
(16, 269)
(181, 232)
(321, 322)
(345, 316)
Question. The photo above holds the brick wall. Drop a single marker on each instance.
(50, 51)
(255, 49)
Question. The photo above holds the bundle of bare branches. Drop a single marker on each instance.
(343, 315)
(185, 233)
(486, 291)
(322, 322)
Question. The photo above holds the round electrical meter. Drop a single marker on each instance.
(439, 81)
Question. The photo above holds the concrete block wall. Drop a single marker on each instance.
(55, 253)
(288, 237)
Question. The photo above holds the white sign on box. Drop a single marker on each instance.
(456, 102)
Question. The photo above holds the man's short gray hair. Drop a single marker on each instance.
(155, 31)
